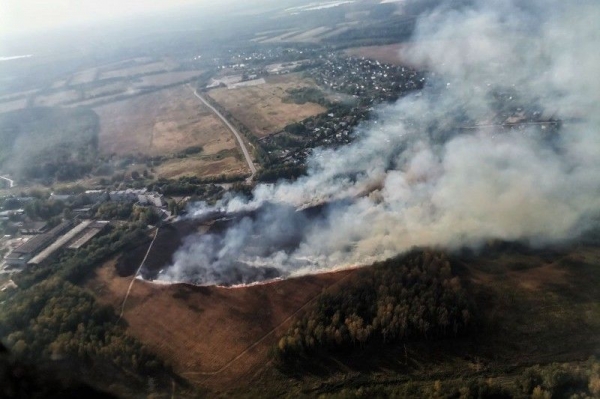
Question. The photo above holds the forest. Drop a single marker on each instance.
(50, 317)
(49, 144)
(411, 297)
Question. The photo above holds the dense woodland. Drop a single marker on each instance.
(50, 317)
(579, 380)
(49, 144)
(412, 297)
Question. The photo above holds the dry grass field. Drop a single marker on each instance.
(107, 89)
(57, 98)
(211, 336)
(388, 54)
(228, 162)
(261, 108)
(87, 76)
(12, 105)
(166, 122)
(136, 70)
(161, 122)
(164, 79)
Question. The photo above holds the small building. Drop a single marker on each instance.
(85, 212)
(97, 195)
(33, 228)
(129, 195)
(153, 199)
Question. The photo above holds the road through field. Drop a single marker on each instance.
(10, 182)
(137, 272)
(233, 130)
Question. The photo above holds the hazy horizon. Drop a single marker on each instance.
(24, 17)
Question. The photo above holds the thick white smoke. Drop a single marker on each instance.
(426, 174)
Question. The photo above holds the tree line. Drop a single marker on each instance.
(49, 316)
(412, 297)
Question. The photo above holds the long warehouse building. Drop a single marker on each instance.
(25, 252)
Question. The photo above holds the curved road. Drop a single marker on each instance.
(233, 130)
(10, 182)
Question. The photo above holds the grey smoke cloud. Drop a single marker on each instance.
(424, 174)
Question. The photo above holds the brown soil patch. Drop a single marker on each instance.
(211, 336)
(261, 108)
(388, 54)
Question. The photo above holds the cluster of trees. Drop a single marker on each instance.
(49, 144)
(145, 215)
(410, 297)
(187, 185)
(273, 174)
(50, 317)
(195, 149)
(56, 319)
(126, 211)
(576, 381)
(113, 210)
(303, 95)
(44, 208)
(393, 30)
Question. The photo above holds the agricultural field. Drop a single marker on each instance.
(167, 122)
(262, 108)
(227, 162)
(83, 77)
(165, 79)
(57, 98)
(388, 54)
(108, 89)
(136, 70)
(13, 105)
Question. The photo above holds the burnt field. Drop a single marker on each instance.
(216, 264)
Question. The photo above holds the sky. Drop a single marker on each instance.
(26, 16)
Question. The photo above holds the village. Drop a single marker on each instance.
(37, 229)
(37, 242)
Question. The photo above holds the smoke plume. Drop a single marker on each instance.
(439, 167)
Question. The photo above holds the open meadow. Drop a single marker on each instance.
(167, 122)
(262, 108)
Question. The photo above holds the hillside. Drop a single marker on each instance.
(529, 307)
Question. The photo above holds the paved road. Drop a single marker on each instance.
(11, 182)
(233, 130)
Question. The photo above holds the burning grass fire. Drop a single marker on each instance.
(442, 167)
